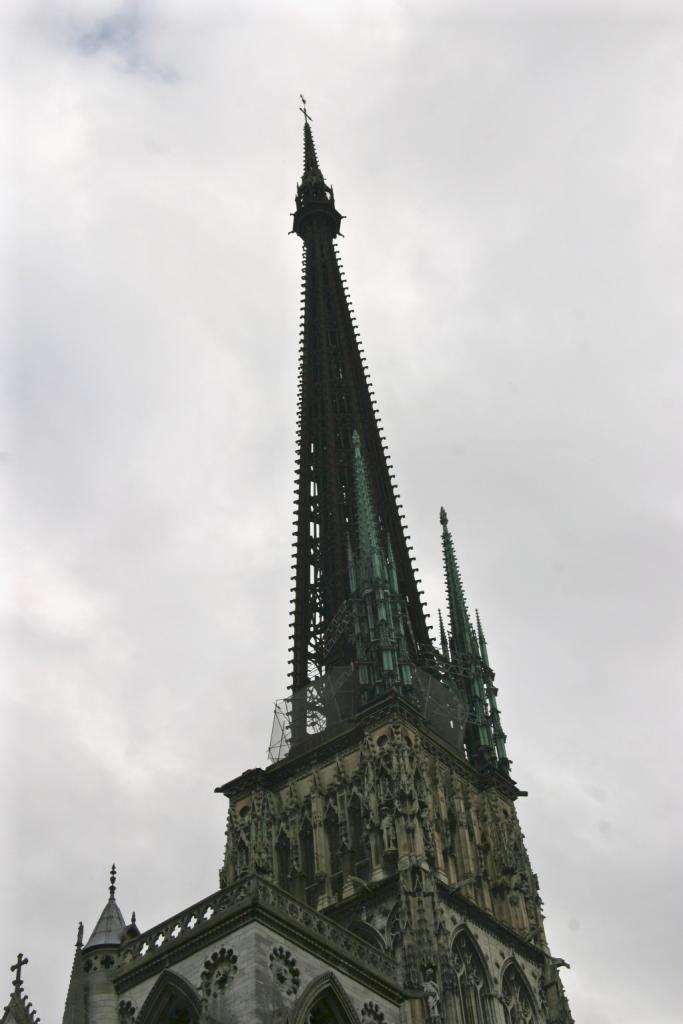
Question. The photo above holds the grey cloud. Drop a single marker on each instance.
(513, 249)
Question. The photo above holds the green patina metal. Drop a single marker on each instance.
(382, 654)
(443, 639)
(499, 736)
(465, 656)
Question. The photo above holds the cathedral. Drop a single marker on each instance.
(375, 871)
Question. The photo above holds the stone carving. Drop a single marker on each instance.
(388, 832)
(284, 970)
(126, 1011)
(370, 1013)
(396, 801)
(219, 970)
(432, 998)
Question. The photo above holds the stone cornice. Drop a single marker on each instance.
(391, 708)
(254, 899)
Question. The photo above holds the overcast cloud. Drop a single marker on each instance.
(511, 175)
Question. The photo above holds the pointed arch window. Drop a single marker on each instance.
(325, 1002)
(470, 981)
(517, 1003)
(359, 848)
(326, 1012)
(284, 860)
(307, 852)
(171, 1001)
(242, 858)
(333, 834)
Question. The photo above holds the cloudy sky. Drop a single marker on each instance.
(511, 175)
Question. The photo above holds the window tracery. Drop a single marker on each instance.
(517, 1003)
(469, 980)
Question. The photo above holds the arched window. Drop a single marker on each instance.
(242, 859)
(283, 858)
(171, 1001)
(333, 840)
(470, 981)
(368, 934)
(307, 855)
(359, 848)
(333, 833)
(324, 1001)
(517, 1002)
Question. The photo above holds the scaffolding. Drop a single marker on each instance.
(331, 702)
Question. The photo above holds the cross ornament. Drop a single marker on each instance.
(303, 108)
(21, 962)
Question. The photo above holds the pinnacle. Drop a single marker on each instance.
(311, 165)
(110, 925)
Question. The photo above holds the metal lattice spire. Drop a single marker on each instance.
(459, 617)
(381, 650)
(499, 736)
(335, 399)
(443, 639)
(465, 654)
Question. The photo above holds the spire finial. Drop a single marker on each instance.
(302, 108)
(79, 935)
(21, 962)
(112, 882)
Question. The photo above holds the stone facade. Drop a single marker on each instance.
(248, 953)
(393, 834)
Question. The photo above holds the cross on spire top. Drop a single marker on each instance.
(303, 108)
(21, 962)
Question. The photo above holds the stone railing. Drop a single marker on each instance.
(189, 922)
(256, 892)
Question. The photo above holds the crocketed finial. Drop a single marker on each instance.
(112, 882)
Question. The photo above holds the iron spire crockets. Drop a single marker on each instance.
(335, 400)
(465, 657)
(357, 603)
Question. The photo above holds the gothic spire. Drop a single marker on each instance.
(335, 400)
(499, 736)
(465, 656)
(459, 617)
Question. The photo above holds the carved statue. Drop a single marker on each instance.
(432, 997)
(388, 831)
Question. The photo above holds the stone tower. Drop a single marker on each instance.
(388, 806)
(375, 871)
